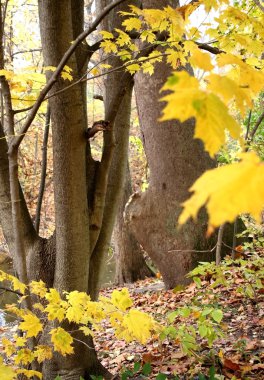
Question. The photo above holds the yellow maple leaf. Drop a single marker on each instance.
(148, 36)
(211, 114)
(106, 35)
(29, 373)
(9, 347)
(133, 68)
(228, 191)
(6, 372)
(123, 38)
(62, 341)
(201, 59)
(86, 330)
(20, 341)
(24, 356)
(108, 46)
(55, 311)
(39, 288)
(76, 308)
(138, 325)
(18, 285)
(31, 325)
(229, 90)
(42, 353)
(132, 23)
(121, 299)
(247, 76)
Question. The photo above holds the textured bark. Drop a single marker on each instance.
(117, 174)
(29, 233)
(68, 115)
(130, 263)
(175, 161)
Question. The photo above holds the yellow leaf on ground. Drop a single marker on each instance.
(228, 191)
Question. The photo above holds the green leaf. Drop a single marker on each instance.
(212, 373)
(161, 376)
(202, 330)
(207, 311)
(217, 315)
(185, 312)
(137, 366)
(172, 316)
(146, 369)
(197, 281)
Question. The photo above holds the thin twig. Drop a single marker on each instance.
(219, 244)
(17, 140)
(258, 122)
(43, 170)
(87, 345)
(11, 291)
(248, 125)
(261, 7)
(234, 238)
(193, 250)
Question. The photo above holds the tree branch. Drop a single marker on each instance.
(259, 121)
(43, 170)
(104, 168)
(261, 7)
(17, 140)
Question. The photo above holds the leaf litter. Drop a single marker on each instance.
(239, 354)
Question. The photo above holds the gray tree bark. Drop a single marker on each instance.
(175, 161)
(117, 176)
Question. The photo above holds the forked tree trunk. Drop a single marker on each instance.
(67, 260)
(130, 263)
(118, 171)
(175, 161)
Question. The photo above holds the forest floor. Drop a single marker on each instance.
(238, 354)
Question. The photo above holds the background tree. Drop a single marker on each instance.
(130, 263)
(175, 160)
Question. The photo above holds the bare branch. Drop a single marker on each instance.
(17, 140)
(258, 122)
(261, 7)
(25, 51)
(43, 169)
(11, 291)
(219, 244)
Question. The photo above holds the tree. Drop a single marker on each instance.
(130, 263)
(175, 160)
(129, 260)
(67, 260)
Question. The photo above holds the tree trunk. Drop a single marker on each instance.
(119, 163)
(130, 263)
(68, 114)
(175, 161)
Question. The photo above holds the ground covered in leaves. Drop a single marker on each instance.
(237, 354)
